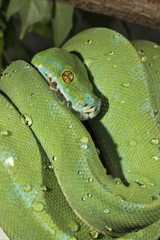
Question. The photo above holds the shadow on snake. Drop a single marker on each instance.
(113, 167)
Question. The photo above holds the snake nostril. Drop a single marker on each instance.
(92, 100)
(89, 99)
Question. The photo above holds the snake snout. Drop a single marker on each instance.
(87, 107)
(92, 101)
(88, 99)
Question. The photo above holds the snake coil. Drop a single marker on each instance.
(53, 184)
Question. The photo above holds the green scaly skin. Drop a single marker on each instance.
(53, 185)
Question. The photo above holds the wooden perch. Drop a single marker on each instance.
(144, 12)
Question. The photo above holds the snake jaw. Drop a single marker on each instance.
(88, 114)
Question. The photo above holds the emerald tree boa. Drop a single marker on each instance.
(55, 184)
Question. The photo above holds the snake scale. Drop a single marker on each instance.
(54, 182)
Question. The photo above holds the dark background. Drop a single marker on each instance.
(83, 20)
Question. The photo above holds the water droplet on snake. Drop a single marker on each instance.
(98, 151)
(133, 143)
(144, 59)
(90, 180)
(27, 120)
(155, 157)
(148, 132)
(44, 188)
(84, 146)
(84, 139)
(119, 197)
(73, 226)
(116, 35)
(4, 132)
(153, 198)
(79, 172)
(70, 127)
(10, 161)
(117, 181)
(153, 113)
(89, 41)
(155, 141)
(155, 46)
(54, 158)
(50, 165)
(83, 199)
(126, 85)
(89, 195)
(94, 234)
(27, 187)
(140, 52)
(106, 211)
(108, 228)
(26, 66)
(111, 53)
(52, 232)
(89, 61)
(38, 207)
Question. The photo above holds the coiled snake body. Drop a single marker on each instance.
(53, 185)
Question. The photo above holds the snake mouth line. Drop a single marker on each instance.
(81, 109)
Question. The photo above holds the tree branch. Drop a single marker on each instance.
(144, 12)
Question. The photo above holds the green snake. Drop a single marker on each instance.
(55, 183)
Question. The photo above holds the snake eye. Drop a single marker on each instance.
(67, 77)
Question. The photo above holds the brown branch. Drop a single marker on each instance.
(144, 12)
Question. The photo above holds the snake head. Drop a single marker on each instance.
(67, 76)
